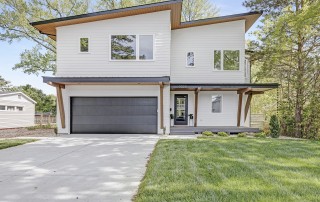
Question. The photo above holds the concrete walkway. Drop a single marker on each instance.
(75, 168)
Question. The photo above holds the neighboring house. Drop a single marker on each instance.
(129, 70)
(16, 110)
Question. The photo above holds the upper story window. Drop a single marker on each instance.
(190, 59)
(11, 108)
(226, 60)
(132, 47)
(216, 103)
(84, 45)
(20, 108)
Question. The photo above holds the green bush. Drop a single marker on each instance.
(274, 126)
(207, 133)
(242, 135)
(223, 134)
(260, 135)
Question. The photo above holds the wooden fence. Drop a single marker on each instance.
(44, 119)
(257, 120)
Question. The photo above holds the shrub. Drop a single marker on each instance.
(260, 135)
(55, 130)
(207, 133)
(223, 134)
(242, 135)
(274, 126)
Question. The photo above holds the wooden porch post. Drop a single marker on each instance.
(61, 106)
(239, 109)
(196, 96)
(161, 104)
(246, 109)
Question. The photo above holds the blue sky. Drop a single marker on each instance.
(10, 53)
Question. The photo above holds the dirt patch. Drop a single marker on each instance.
(24, 132)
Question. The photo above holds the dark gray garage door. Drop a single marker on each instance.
(114, 115)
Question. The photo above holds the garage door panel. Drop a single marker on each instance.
(114, 115)
(112, 101)
(115, 129)
(113, 110)
(121, 120)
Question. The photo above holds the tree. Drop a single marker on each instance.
(288, 51)
(4, 84)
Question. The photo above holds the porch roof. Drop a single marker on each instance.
(250, 87)
(104, 80)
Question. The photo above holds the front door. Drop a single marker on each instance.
(181, 110)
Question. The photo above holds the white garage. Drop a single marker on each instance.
(16, 110)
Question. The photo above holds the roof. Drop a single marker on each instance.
(254, 87)
(7, 93)
(76, 80)
(48, 27)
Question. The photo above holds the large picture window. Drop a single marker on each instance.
(226, 60)
(216, 103)
(132, 47)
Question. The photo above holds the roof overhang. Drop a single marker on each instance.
(48, 27)
(18, 93)
(241, 87)
(106, 80)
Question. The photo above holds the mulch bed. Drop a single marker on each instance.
(24, 132)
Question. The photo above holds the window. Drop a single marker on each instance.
(84, 45)
(146, 47)
(11, 108)
(132, 47)
(190, 59)
(2, 107)
(20, 109)
(216, 104)
(226, 60)
(217, 60)
(231, 60)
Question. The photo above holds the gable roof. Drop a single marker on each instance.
(7, 93)
(48, 27)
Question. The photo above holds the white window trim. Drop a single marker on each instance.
(194, 55)
(221, 104)
(79, 46)
(222, 61)
(137, 49)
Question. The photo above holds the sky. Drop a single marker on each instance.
(10, 53)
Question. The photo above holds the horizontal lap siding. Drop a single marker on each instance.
(96, 63)
(203, 41)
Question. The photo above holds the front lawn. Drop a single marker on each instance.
(232, 169)
(5, 143)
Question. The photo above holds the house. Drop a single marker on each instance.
(131, 70)
(16, 110)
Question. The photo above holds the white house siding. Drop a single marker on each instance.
(72, 63)
(16, 119)
(203, 40)
(114, 91)
(228, 116)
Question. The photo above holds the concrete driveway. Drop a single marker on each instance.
(75, 168)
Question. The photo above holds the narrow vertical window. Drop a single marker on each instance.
(84, 45)
(216, 103)
(217, 60)
(146, 47)
(190, 59)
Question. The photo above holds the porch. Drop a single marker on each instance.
(191, 130)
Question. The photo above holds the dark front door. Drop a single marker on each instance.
(181, 110)
(114, 115)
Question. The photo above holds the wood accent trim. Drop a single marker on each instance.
(244, 90)
(246, 108)
(239, 109)
(161, 104)
(196, 97)
(61, 106)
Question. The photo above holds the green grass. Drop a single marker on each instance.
(5, 143)
(232, 169)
